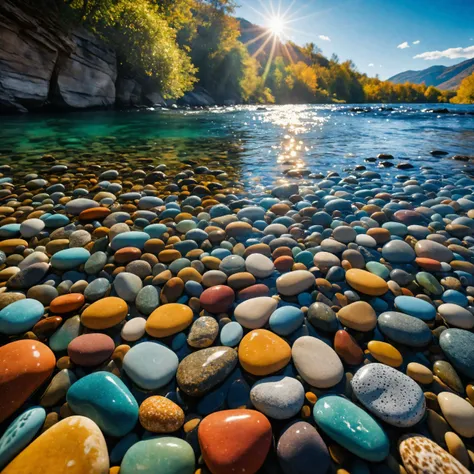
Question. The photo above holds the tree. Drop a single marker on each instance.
(465, 93)
(432, 94)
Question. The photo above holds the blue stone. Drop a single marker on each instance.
(398, 251)
(455, 297)
(104, 398)
(232, 264)
(155, 231)
(55, 221)
(458, 345)
(231, 334)
(130, 239)
(378, 269)
(286, 320)
(20, 432)
(253, 213)
(69, 258)
(351, 427)
(185, 246)
(150, 365)
(9, 230)
(20, 316)
(404, 329)
(193, 288)
(415, 307)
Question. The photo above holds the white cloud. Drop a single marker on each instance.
(403, 45)
(324, 38)
(450, 53)
(371, 65)
(416, 42)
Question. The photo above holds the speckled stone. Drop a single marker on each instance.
(160, 415)
(322, 317)
(201, 371)
(404, 329)
(203, 332)
(420, 455)
(278, 397)
(391, 395)
(458, 345)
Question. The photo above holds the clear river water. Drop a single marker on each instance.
(256, 144)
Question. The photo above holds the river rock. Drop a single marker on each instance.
(105, 313)
(458, 345)
(217, 299)
(286, 320)
(359, 316)
(404, 329)
(203, 332)
(295, 282)
(127, 285)
(458, 412)
(259, 265)
(433, 250)
(366, 282)
(255, 312)
(160, 415)
(20, 316)
(133, 330)
(169, 319)
(415, 307)
(456, 315)
(90, 349)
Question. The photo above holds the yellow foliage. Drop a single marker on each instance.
(465, 93)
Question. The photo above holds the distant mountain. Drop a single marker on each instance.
(442, 77)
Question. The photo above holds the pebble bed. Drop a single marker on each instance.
(165, 321)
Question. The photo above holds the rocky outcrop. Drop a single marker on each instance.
(128, 92)
(199, 97)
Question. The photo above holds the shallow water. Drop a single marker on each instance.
(257, 145)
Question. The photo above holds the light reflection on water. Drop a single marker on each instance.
(258, 145)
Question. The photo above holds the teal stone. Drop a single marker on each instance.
(231, 334)
(305, 257)
(155, 231)
(130, 239)
(150, 365)
(20, 316)
(286, 320)
(65, 334)
(430, 283)
(55, 221)
(455, 297)
(232, 264)
(8, 231)
(20, 432)
(69, 259)
(177, 265)
(398, 251)
(164, 454)
(147, 300)
(351, 427)
(378, 269)
(104, 398)
(396, 228)
(416, 307)
(404, 329)
(458, 345)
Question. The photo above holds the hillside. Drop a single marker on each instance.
(442, 77)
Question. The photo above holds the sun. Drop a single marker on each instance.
(276, 24)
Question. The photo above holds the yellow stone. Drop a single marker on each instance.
(262, 352)
(168, 256)
(359, 316)
(385, 353)
(211, 263)
(189, 274)
(169, 319)
(366, 282)
(9, 245)
(160, 415)
(74, 445)
(114, 470)
(420, 373)
(105, 313)
(457, 448)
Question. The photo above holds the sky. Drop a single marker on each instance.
(382, 37)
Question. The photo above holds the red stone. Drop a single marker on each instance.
(217, 299)
(347, 348)
(90, 349)
(284, 263)
(428, 264)
(254, 291)
(66, 303)
(24, 366)
(235, 441)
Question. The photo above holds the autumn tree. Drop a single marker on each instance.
(465, 93)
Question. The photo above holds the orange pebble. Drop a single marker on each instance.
(66, 303)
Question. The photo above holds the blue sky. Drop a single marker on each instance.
(378, 35)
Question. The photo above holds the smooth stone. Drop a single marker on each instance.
(389, 394)
(351, 427)
(295, 282)
(347, 349)
(378, 269)
(359, 316)
(385, 353)
(76, 206)
(231, 334)
(134, 239)
(105, 313)
(127, 285)
(20, 316)
(147, 300)
(217, 299)
(420, 373)
(322, 317)
(262, 352)
(169, 319)
(9, 246)
(433, 250)
(150, 365)
(430, 283)
(20, 433)
(24, 366)
(235, 441)
(458, 412)
(57, 388)
(165, 454)
(29, 276)
(301, 448)
(201, 371)
(9, 298)
(404, 329)
(95, 263)
(232, 264)
(133, 330)
(259, 265)
(344, 234)
(67, 303)
(43, 293)
(97, 289)
(454, 315)
(160, 415)
(90, 349)
(458, 345)
(445, 371)
(325, 260)
(103, 397)
(366, 282)
(74, 445)
(415, 307)
(65, 334)
(203, 332)
(455, 297)
(35, 257)
(69, 259)
(421, 455)
(254, 313)
(316, 362)
(398, 251)
(279, 397)
(286, 320)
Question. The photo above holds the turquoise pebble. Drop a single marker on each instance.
(104, 398)
(378, 269)
(351, 427)
(285, 320)
(231, 334)
(69, 258)
(155, 231)
(129, 239)
(55, 221)
(9, 230)
(455, 297)
(65, 334)
(20, 316)
(415, 307)
(20, 432)
(164, 454)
